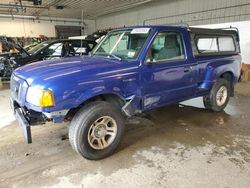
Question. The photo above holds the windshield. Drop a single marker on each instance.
(125, 44)
(35, 49)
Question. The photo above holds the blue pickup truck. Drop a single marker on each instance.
(132, 70)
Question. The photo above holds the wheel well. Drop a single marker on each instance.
(112, 98)
(229, 77)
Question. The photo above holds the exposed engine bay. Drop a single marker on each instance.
(6, 67)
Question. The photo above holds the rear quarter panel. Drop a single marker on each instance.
(212, 67)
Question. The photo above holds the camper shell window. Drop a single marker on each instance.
(214, 44)
(214, 41)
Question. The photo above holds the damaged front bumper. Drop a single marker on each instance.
(22, 121)
(27, 118)
(24, 124)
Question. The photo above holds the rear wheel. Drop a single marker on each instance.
(96, 130)
(218, 97)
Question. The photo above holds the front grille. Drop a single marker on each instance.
(16, 88)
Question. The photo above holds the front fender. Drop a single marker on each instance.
(97, 91)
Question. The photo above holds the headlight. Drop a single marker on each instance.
(39, 97)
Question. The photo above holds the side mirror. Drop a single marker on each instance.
(150, 61)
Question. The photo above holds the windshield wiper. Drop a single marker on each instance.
(108, 55)
(114, 56)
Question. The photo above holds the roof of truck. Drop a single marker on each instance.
(230, 30)
(152, 27)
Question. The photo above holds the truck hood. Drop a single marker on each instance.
(67, 67)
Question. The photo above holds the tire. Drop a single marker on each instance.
(218, 97)
(96, 130)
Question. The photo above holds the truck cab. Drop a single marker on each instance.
(130, 71)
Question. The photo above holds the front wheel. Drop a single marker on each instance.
(96, 130)
(218, 97)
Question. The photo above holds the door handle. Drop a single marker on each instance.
(188, 69)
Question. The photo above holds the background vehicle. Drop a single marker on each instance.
(78, 37)
(45, 50)
(132, 70)
(32, 45)
(97, 36)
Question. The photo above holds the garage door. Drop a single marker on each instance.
(67, 31)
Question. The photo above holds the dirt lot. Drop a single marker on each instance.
(176, 146)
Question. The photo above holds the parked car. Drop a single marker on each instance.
(131, 71)
(78, 37)
(97, 36)
(45, 50)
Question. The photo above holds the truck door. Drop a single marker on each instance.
(168, 75)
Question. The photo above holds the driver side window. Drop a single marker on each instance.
(166, 46)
